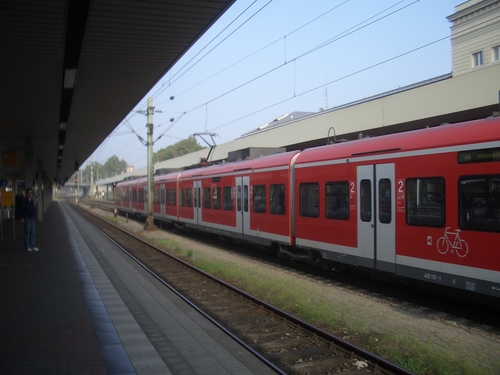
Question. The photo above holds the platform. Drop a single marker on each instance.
(80, 306)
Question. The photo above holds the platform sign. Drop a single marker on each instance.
(6, 198)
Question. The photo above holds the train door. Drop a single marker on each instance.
(376, 216)
(162, 200)
(130, 193)
(242, 205)
(197, 202)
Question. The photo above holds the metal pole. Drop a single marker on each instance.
(149, 222)
(91, 179)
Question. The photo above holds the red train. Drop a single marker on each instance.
(423, 204)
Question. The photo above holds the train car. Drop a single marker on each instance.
(423, 204)
(123, 196)
(247, 200)
(130, 196)
(140, 197)
(165, 198)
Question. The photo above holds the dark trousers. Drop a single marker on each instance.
(29, 233)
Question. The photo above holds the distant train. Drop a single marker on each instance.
(423, 204)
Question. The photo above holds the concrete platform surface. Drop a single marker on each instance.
(80, 306)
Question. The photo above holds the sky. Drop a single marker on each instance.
(266, 58)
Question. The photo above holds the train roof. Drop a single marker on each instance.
(134, 181)
(478, 131)
(270, 161)
(172, 176)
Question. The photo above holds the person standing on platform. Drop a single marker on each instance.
(28, 214)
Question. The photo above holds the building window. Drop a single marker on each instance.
(477, 59)
(495, 53)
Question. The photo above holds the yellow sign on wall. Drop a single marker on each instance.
(9, 158)
(7, 198)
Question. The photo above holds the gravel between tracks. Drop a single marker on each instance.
(378, 316)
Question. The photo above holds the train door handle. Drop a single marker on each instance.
(373, 225)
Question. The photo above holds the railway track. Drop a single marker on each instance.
(286, 343)
(475, 311)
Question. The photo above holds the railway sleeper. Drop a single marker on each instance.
(229, 315)
(246, 320)
(285, 343)
(308, 352)
(266, 336)
(250, 329)
(315, 366)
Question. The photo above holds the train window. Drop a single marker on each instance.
(206, 197)
(479, 203)
(173, 196)
(181, 197)
(245, 198)
(309, 199)
(228, 198)
(156, 196)
(259, 198)
(277, 202)
(425, 201)
(238, 198)
(189, 197)
(141, 195)
(385, 201)
(167, 196)
(216, 198)
(337, 200)
(365, 198)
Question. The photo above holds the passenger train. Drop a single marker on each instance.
(423, 204)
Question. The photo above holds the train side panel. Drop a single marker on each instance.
(325, 210)
(427, 204)
(268, 205)
(245, 200)
(449, 222)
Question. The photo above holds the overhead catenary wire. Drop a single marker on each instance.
(294, 59)
(170, 82)
(350, 75)
(331, 40)
(345, 33)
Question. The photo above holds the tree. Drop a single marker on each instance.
(114, 166)
(186, 146)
